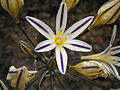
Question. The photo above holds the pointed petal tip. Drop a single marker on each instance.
(91, 17)
(36, 50)
(89, 49)
(27, 17)
(63, 3)
(63, 73)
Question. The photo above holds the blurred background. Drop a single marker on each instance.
(46, 11)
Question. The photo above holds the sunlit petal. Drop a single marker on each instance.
(107, 51)
(61, 18)
(41, 27)
(45, 46)
(117, 62)
(115, 72)
(77, 45)
(115, 50)
(61, 58)
(78, 27)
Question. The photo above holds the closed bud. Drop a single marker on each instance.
(12, 7)
(90, 69)
(25, 48)
(107, 14)
(70, 3)
(20, 77)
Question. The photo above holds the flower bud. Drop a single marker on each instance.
(25, 48)
(20, 77)
(70, 3)
(12, 7)
(90, 69)
(107, 14)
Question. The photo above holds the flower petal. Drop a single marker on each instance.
(115, 50)
(113, 69)
(107, 51)
(61, 18)
(41, 27)
(61, 58)
(117, 62)
(78, 27)
(45, 46)
(77, 45)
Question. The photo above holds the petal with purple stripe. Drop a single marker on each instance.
(61, 18)
(115, 50)
(41, 27)
(45, 46)
(116, 60)
(77, 45)
(78, 27)
(61, 59)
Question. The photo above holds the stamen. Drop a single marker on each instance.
(59, 40)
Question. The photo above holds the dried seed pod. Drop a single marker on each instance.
(2, 86)
(107, 14)
(70, 3)
(12, 7)
(20, 77)
(25, 48)
(91, 69)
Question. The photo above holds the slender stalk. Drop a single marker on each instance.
(42, 77)
(41, 67)
(31, 42)
(25, 34)
(37, 77)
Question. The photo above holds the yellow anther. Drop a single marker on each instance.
(59, 40)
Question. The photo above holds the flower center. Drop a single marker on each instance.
(59, 40)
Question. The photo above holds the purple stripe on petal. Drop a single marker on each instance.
(80, 46)
(61, 19)
(81, 25)
(38, 25)
(115, 49)
(118, 61)
(43, 47)
(61, 58)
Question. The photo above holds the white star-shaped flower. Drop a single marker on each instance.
(62, 38)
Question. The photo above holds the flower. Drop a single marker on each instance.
(94, 69)
(108, 54)
(20, 77)
(61, 39)
(70, 3)
(12, 7)
(107, 14)
(91, 69)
